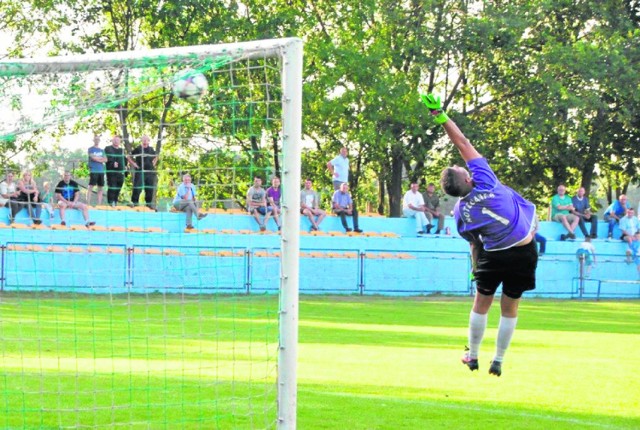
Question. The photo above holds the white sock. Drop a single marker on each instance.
(505, 332)
(477, 325)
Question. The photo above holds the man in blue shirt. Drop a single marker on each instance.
(185, 201)
(499, 225)
(582, 209)
(96, 169)
(614, 212)
(343, 206)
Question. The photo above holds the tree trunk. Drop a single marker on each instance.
(395, 184)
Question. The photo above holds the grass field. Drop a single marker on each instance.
(364, 363)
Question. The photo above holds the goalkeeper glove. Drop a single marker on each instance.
(433, 104)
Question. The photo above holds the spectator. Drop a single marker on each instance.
(432, 206)
(629, 225)
(116, 164)
(540, 239)
(96, 169)
(8, 190)
(309, 202)
(67, 194)
(273, 200)
(185, 201)
(413, 207)
(582, 209)
(614, 212)
(343, 207)
(27, 197)
(634, 255)
(587, 252)
(144, 160)
(257, 203)
(561, 208)
(46, 198)
(339, 168)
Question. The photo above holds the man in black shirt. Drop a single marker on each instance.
(67, 194)
(144, 159)
(116, 163)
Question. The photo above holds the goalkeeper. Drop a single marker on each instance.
(499, 226)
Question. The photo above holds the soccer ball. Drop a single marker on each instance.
(190, 86)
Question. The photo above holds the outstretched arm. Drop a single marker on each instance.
(466, 149)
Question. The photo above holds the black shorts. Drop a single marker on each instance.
(96, 179)
(514, 268)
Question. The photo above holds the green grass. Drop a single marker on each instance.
(364, 363)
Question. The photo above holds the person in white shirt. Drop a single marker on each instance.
(413, 207)
(339, 168)
(629, 225)
(309, 202)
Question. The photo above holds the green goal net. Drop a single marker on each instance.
(136, 322)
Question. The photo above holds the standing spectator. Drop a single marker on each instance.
(96, 169)
(273, 200)
(634, 255)
(339, 168)
(257, 203)
(67, 194)
(185, 201)
(432, 207)
(413, 207)
(561, 208)
(582, 209)
(540, 239)
(343, 206)
(587, 252)
(116, 164)
(309, 205)
(8, 190)
(27, 197)
(629, 225)
(144, 160)
(614, 212)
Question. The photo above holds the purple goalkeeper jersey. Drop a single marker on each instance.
(492, 213)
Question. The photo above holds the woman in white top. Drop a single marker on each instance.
(8, 190)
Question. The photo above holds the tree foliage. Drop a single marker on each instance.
(546, 89)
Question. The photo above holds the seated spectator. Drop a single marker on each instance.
(185, 201)
(46, 198)
(343, 206)
(309, 205)
(257, 203)
(8, 190)
(629, 225)
(582, 209)
(432, 207)
(413, 207)
(614, 212)
(27, 198)
(67, 195)
(273, 200)
(587, 253)
(561, 208)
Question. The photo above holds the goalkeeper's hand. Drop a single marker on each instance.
(435, 106)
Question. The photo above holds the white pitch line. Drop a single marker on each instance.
(506, 412)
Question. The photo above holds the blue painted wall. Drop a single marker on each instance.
(330, 264)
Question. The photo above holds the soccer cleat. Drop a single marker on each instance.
(495, 368)
(471, 363)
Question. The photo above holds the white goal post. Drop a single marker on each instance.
(290, 52)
